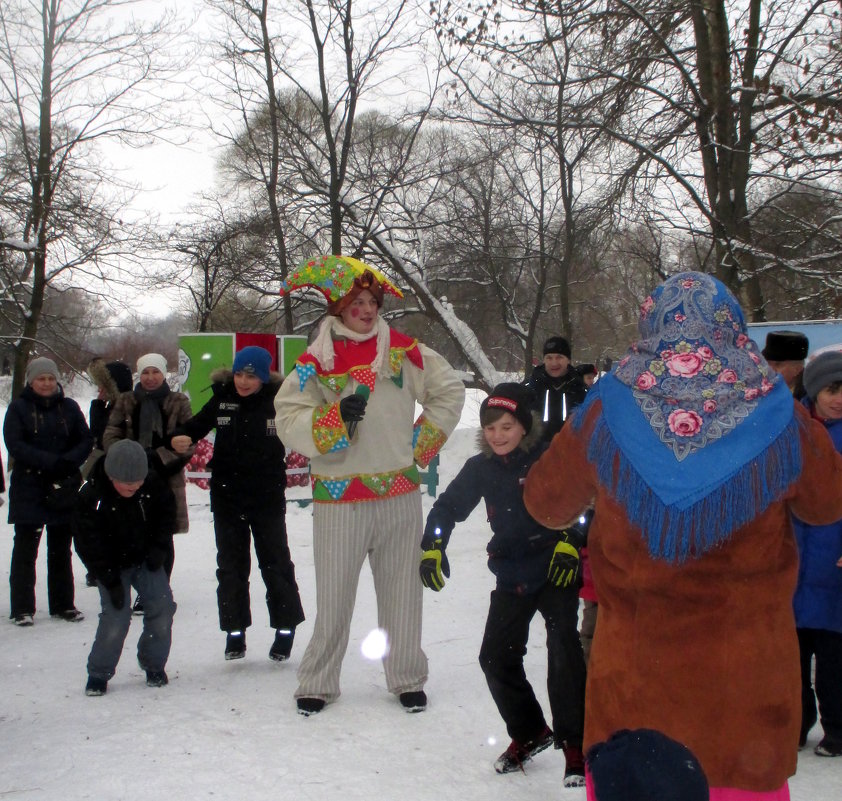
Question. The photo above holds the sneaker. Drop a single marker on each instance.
(282, 646)
(156, 678)
(96, 686)
(413, 701)
(574, 768)
(310, 706)
(137, 609)
(516, 754)
(24, 620)
(235, 645)
(70, 615)
(829, 747)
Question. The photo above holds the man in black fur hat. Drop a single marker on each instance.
(785, 351)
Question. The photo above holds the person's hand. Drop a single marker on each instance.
(433, 564)
(352, 408)
(117, 594)
(181, 443)
(564, 564)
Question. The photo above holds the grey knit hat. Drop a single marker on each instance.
(41, 365)
(126, 462)
(824, 370)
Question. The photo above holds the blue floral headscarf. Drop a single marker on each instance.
(701, 428)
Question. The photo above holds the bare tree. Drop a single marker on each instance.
(72, 74)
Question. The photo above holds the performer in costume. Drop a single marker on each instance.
(694, 456)
(350, 408)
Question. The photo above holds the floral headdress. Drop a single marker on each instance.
(702, 426)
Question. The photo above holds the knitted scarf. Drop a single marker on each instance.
(697, 434)
(150, 421)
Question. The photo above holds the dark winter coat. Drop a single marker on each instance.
(555, 397)
(818, 594)
(48, 440)
(124, 423)
(112, 378)
(113, 533)
(520, 548)
(248, 457)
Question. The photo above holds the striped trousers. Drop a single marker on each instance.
(388, 532)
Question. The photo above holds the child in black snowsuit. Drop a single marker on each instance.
(123, 524)
(536, 570)
(247, 493)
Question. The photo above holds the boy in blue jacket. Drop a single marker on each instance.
(536, 569)
(818, 594)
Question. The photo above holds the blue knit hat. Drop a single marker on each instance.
(254, 360)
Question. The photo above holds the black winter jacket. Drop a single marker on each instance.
(248, 457)
(47, 439)
(113, 533)
(548, 393)
(520, 548)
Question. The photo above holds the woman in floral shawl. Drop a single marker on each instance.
(694, 457)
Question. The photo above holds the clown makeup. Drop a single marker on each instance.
(361, 314)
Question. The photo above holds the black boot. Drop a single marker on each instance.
(235, 645)
(282, 646)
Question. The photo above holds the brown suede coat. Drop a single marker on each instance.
(705, 651)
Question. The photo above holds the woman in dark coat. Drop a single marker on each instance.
(48, 440)
(248, 479)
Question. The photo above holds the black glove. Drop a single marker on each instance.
(155, 559)
(118, 596)
(564, 564)
(64, 468)
(352, 408)
(433, 558)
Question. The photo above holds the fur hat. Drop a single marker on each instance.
(126, 462)
(152, 360)
(113, 378)
(645, 763)
(785, 346)
(586, 369)
(40, 365)
(509, 397)
(824, 370)
(254, 360)
(557, 345)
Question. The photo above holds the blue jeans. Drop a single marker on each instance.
(153, 647)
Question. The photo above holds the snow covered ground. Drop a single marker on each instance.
(229, 729)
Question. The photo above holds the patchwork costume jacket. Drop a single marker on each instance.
(391, 442)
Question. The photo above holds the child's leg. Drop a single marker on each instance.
(110, 633)
(501, 658)
(566, 663)
(828, 684)
(809, 715)
(268, 527)
(153, 647)
(233, 560)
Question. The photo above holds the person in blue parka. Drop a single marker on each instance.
(818, 594)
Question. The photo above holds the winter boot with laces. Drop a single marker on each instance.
(516, 754)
